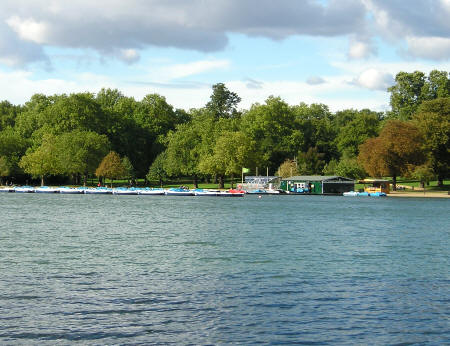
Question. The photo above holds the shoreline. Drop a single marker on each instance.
(408, 194)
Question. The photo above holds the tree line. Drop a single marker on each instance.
(109, 135)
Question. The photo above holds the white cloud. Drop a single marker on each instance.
(435, 48)
(193, 68)
(359, 49)
(129, 55)
(315, 80)
(374, 79)
(30, 29)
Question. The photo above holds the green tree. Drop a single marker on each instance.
(393, 152)
(311, 162)
(80, 152)
(232, 151)
(12, 147)
(272, 127)
(424, 174)
(406, 94)
(350, 168)
(363, 125)
(157, 170)
(288, 169)
(223, 102)
(433, 121)
(411, 89)
(43, 161)
(129, 170)
(111, 167)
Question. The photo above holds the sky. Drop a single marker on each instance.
(342, 53)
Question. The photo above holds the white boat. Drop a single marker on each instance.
(208, 193)
(70, 190)
(350, 194)
(124, 191)
(24, 189)
(46, 189)
(151, 192)
(98, 191)
(179, 192)
(7, 189)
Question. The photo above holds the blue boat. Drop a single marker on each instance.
(98, 191)
(178, 191)
(24, 189)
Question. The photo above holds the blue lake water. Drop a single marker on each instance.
(201, 270)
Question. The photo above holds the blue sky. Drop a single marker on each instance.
(343, 53)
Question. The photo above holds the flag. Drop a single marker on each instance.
(245, 170)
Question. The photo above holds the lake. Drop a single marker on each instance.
(205, 270)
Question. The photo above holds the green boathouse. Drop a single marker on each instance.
(317, 184)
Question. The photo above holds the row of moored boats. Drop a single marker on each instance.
(134, 191)
(364, 194)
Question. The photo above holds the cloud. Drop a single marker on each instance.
(253, 84)
(434, 48)
(112, 26)
(374, 79)
(29, 29)
(415, 20)
(360, 49)
(315, 80)
(129, 56)
(193, 68)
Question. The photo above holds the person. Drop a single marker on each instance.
(98, 185)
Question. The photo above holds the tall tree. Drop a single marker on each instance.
(355, 131)
(232, 151)
(272, 127)
(433, 121)
(406, 94)
(80, 152)
(43, 161)
(157, 170)
(393, 152)
(411, 89)
(223, 102)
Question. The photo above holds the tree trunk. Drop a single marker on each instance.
(394, 182)
(221, 182)
(440, 181)
(42, 180)
(195, 181)
(160, 182)
(232, 180)
(85, 179)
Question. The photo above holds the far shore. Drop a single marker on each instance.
(431, 194)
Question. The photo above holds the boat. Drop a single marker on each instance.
(350, 194)
(364, 194)
(46, 189)
(178, 191)
(125, 191)
(151, 191)
(98, 191)
(7, 189)
(70, 190)
(232, 193)
(257, 192)
(24, 189)
(208, 193)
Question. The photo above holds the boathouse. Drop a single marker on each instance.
(317, 184)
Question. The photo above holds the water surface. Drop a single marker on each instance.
(204, 270)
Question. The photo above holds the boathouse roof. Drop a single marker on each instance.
(318, 178)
